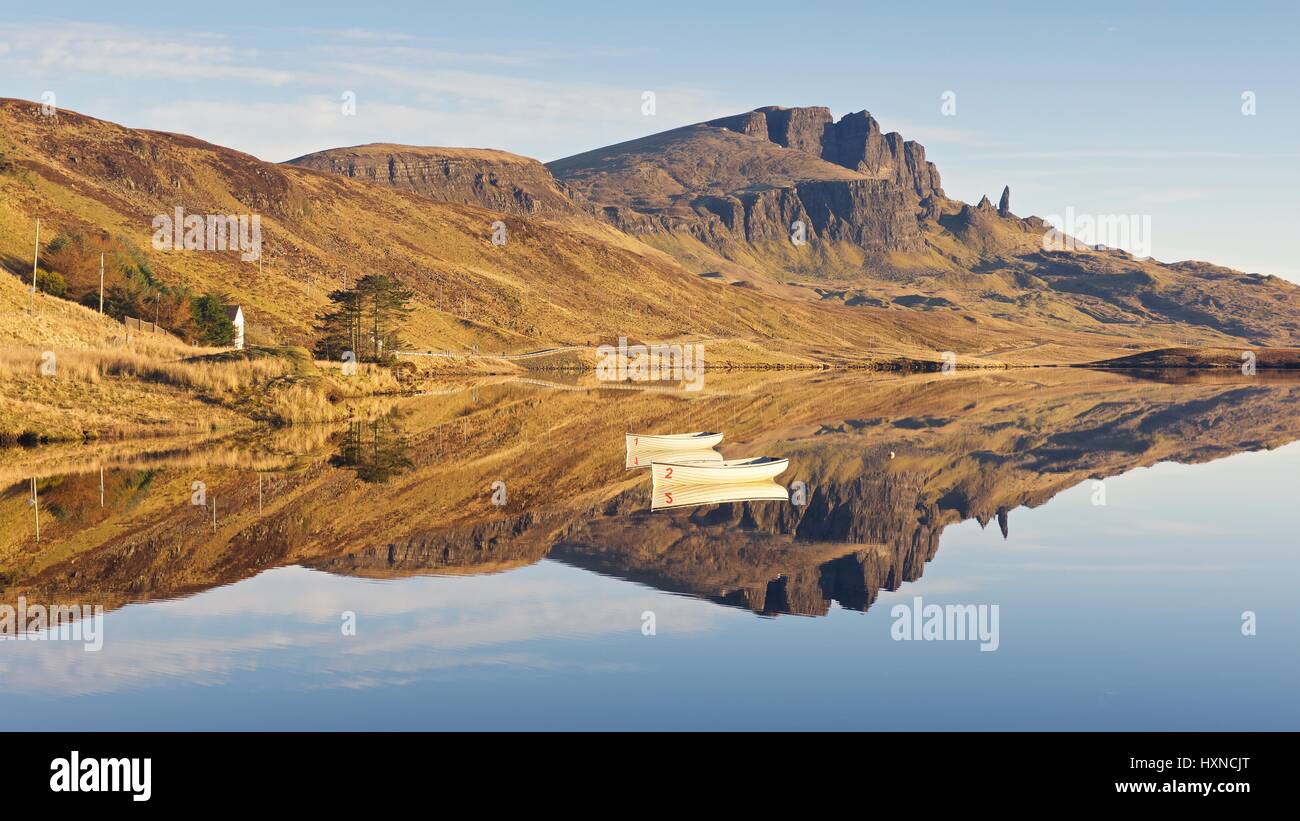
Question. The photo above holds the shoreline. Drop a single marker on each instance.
(247, 418)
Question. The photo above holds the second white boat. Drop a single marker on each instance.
(730, 470)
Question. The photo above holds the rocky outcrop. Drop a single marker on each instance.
(803, 129)
(855, 142)
(495, 180)
(753, 123)
(872, 214)
(845, 181)
(1004, 204)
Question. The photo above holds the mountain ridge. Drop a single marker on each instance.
(489, 177)
(885, 274)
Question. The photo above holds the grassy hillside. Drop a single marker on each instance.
(562, 281)
(69, 373)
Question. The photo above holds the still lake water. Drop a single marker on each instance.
(766, 614)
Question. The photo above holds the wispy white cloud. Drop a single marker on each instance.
(278, 131)
(100, 49)
(408, 630)
(277, 106)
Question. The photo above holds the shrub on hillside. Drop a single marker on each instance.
(208, 312)
(50, 282)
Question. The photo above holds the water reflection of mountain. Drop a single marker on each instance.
(969, 446)
(874, 519)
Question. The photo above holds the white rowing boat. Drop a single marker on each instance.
(728, 471)
(674, 441)
(667, 495)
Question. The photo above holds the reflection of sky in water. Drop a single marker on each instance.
(1123, 616)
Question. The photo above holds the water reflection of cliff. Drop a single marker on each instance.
(967, 446)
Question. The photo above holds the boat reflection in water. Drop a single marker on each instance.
(643, 457)
(669, 494)
(683, 482)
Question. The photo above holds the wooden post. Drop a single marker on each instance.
(36, 508)
(259, 494)
(214, 514)
(101, 485)
(101, 288)
(36, 256)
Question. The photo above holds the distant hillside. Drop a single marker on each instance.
(496, 180)
(722, 196)
(574, 281)
(678, 235)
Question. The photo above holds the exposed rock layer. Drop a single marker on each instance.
(494, 179)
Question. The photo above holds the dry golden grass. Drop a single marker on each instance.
(557, 282)
(105, 384)
(95, 364)
(95, 392)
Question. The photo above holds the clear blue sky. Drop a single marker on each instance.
(1105, 108)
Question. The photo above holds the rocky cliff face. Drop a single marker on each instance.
(855, 142)
(874, 216)
(495, 180)
(749, 177)
(868, 213)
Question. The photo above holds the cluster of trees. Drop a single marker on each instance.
(365, 319)
(70, 269)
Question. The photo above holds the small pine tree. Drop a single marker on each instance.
(209, 315)
(366, 319)
(339, 330)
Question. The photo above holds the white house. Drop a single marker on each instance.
(236, 316)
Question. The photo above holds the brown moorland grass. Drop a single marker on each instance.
(569, 280)
(98, 392)
(105, 383)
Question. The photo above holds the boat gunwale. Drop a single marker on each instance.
(725, 464)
